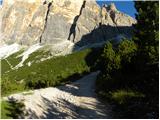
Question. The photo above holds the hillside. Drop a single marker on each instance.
(78, 59)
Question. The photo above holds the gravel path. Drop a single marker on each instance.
(75, 100)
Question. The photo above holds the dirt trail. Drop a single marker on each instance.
(75, 100)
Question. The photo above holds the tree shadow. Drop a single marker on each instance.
(79, 87)
(64, 109)
(51, 110)
(101, 111)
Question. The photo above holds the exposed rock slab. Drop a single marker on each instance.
(29, 22)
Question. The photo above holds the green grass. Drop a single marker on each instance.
(37, 56)
(121, 96)
(4, 66)
(13, 59)
(10, 85)
(51, 72)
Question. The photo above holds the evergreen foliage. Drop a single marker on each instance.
(147, 30)
(129, 71)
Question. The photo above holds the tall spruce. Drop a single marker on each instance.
(147, 29)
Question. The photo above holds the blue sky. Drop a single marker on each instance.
(123, 6)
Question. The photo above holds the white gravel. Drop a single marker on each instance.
(75, 100)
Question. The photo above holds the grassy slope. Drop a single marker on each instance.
(37, 56)
(13, 59)
(50, 72)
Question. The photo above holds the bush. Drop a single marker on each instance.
(109, 59)
(114, 61)
(127, 50)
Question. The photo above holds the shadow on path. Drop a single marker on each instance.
(74, 100)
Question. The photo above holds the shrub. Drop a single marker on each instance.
(127, 50)
(109, 59)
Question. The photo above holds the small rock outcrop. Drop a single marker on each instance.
(82, 22)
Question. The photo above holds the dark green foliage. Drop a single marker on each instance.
(125, 87)
(10, 85)
(147, 59)
(114, 61)
(127, 49)
(12, 110)
(147, 30)
(129, 79)
(113, 56)
(4, 66)
(111, 59)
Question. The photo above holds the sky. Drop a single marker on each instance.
(123, 6)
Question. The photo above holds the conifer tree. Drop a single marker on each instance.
(147, 29)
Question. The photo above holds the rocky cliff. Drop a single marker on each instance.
(51, 21)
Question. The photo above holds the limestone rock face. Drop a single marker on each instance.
(17, 16)
(51, 21)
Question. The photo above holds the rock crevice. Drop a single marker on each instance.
(74, 24)
(46, 18)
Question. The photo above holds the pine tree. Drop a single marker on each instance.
(147, 29)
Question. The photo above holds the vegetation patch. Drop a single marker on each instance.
(11, 61)
(12, 110)
(51, 72)
(129, 77)
(37, 56)
(121, 96)
(9, 85)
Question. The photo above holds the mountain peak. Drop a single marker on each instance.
(54, 21)
(113, 7)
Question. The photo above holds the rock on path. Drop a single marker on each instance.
(75, 100)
